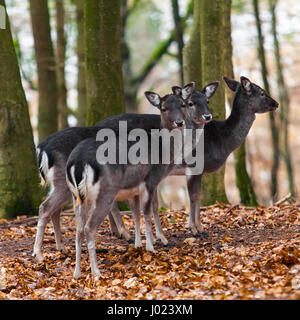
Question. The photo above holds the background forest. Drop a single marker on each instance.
(158, 43)
(66, 63)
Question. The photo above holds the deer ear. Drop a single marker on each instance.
(232, 84)
(210, 89)
(187, 90)
(246, 84)
(177, 90)
(153, 98)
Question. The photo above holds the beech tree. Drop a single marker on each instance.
(46, 68)
(243, 181)
(273, 124)
(104, 78)
(60, 66)
(283, 99)
(211, 42)
(20, 192)
(192, 52)
(81, 86)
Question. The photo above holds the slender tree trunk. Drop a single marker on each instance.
(20, 192)
(273, 126)
(129, 89)
(47, 115)
(81, 83)
(212, 69)
(227, 50)
(283, 99)
(60, 62)
(243, 181)
(104, 80)
(192, 52)
(178, 36)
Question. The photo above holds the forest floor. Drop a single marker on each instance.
(245, 253)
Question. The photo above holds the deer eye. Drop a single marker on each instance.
(163, 110)
(262, 94)
(190, 103)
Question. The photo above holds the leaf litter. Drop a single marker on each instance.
(244, 253)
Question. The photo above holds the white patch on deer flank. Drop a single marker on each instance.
(89, 189)
(44, 166)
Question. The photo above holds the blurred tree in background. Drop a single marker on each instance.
(283, 100)
(81, 87)
(60, 65)
(273, 122)
(46, 68)
(243, 181)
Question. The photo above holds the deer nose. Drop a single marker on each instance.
(179, 123)
(207, 117)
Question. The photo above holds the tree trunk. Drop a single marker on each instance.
(47, 115)
(192, 52)
(179, 37)
(212, 69)
(284, 101)
(273, 126)
(20, 192)
(130, 90)
(243, 181)
(104, 80)
(81, 83)
(60, 63)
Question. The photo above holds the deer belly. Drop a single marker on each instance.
(125, 194)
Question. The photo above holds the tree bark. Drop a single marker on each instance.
(192, 52)
(283, 99)
(20, 192)
(104, 79)
(243, 181)
(81, 83)
(60, 63)
(178, 37)
(47, 86)
(273, 126)
(129, 89)
(212, 69)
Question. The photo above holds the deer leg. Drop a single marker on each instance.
(113, 227)
(50, 206)
(134, 204)
(97, 215)
(81, 218)
(119, 222)
(158, 228)
(148, 194)
(194, 189)
(55, 219)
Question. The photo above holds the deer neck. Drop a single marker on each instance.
(238, 123)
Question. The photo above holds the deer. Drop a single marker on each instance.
(221, 137)
(53, 153)
(96, 185)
